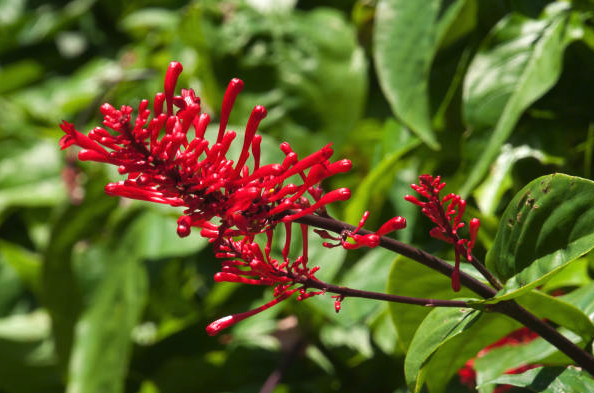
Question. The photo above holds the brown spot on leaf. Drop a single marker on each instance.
(530, 201)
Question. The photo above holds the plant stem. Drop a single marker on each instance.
(510, 308)
(486, 273)
(350, 292)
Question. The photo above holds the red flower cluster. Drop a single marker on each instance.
(521, 336)
(222, 197)
(172, 170)
(447, 214)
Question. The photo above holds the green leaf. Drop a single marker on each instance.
(407, 35)
(519, 61)
(583, 298)
(558, 311)
(574, 275)
(410, 278)
(26, 264)
(498, 360)
(147, 19)
(548, 224)
(19, 74)
(549, 380)
(368, 273)
(508, 357)
(102, 345)
(440, 326)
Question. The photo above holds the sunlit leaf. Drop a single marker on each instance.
(547, 225)
(407, 36)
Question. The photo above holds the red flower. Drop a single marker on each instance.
(447, 214)
(227, 200)
(164, 166)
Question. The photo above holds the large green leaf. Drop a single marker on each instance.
(548, 224)
(519, 61)
(102, 345)
(407, 36)
(574, 275)
(26, 264)
(410, 278)
(440, 326)
(550, 380)
(156, 237)
(508, 357)
(368, 273)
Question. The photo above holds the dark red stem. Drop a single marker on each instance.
(350, 292)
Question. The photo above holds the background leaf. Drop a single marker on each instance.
(517, 63)
(550, 380)
(403, 63)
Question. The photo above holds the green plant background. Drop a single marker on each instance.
(100, 295)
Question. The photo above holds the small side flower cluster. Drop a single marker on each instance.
(230, 203)
(351, 240)
(447, 214)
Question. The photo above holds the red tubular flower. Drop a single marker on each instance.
(447, 214)
(228, 201)
(215, 327)
(371, 240)
(164, 165)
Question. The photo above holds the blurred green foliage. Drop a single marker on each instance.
(100, 295)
